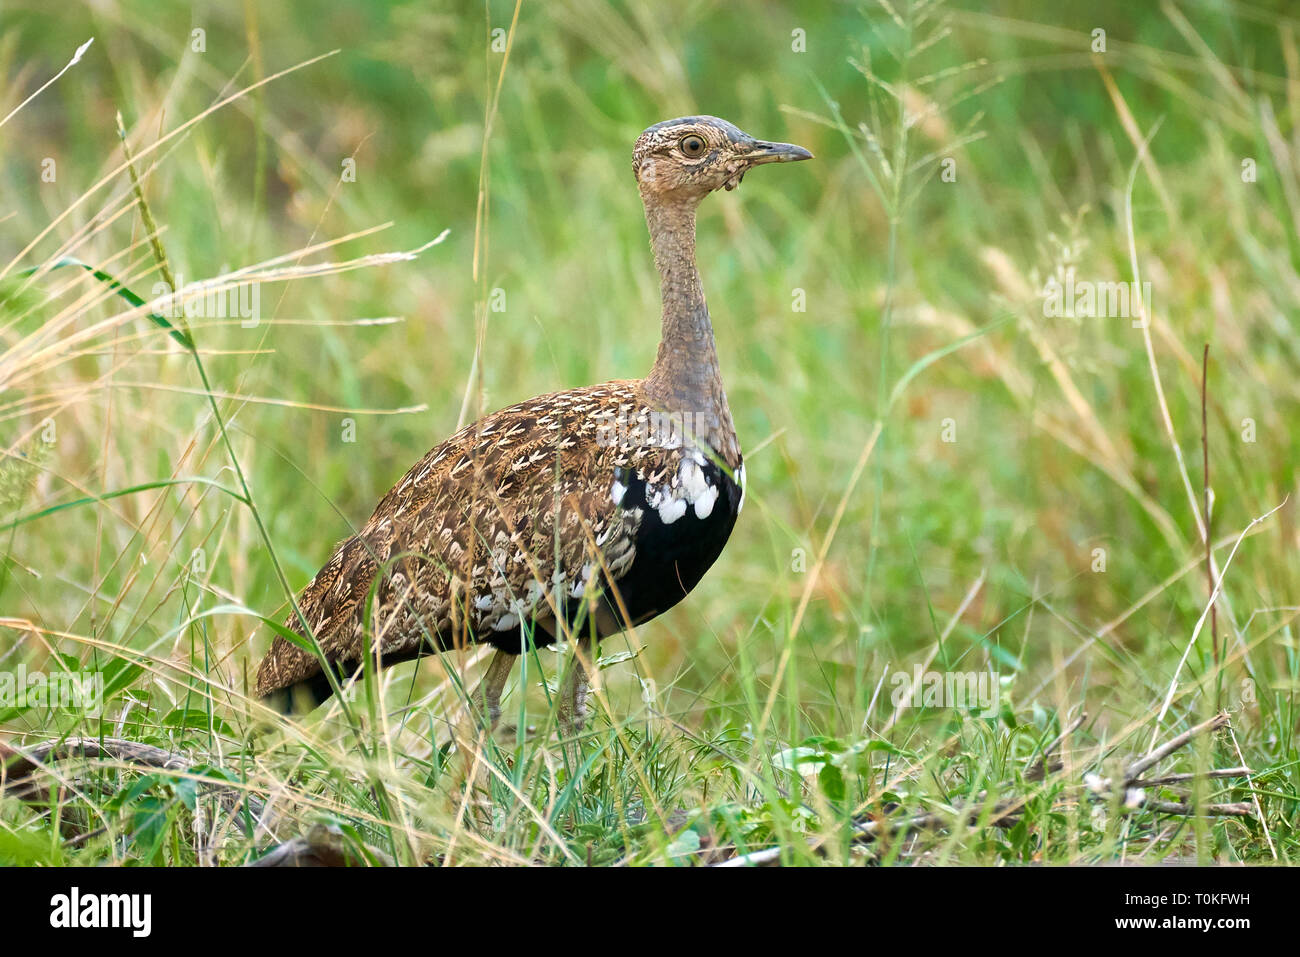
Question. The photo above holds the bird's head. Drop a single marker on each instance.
(693, 155)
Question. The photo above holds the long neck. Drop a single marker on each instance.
(685, 378)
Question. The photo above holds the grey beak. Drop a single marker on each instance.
(764, 152)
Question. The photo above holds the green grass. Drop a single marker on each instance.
(933, 462)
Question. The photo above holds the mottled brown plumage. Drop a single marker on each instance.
(577, 511)
(488, 507)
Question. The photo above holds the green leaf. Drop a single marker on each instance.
(28, 847)
(800, 760)
(832, 782)
(149, 825)
(187, 791)
(608, 661)
(686, 842)
(118, 493)
(195, 719)
(117, 287)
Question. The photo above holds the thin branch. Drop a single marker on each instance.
(1242, 772)
(1135, 768)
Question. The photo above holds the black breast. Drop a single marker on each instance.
(673, 549)
(672, 557)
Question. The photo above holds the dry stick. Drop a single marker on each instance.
(12, 757)
(1145, 322)
(16, 765)
(19, 768)
(1135, 768)
(1241, 772)
(1003, 814)
(1236, 809)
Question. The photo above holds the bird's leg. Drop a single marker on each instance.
(481, 714)
(487, 692)
(572, 711)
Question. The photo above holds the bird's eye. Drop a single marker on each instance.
(692, 145)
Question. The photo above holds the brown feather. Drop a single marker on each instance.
(470, 534)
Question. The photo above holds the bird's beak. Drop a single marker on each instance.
(764, 152)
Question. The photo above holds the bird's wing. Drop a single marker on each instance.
(512, 518)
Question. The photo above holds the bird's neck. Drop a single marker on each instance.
(685, 379)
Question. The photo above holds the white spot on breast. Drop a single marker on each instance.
(617, 491)
(579, 587)
(506, 622)
(740, 480)
(693, 480)
(671, 510)
(704, 504)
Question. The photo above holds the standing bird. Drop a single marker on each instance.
(571, 515)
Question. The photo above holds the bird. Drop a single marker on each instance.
(566, 517)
